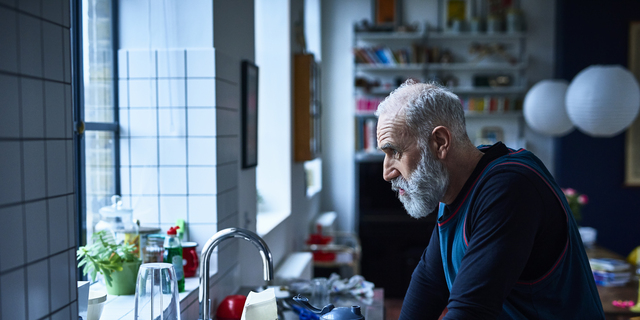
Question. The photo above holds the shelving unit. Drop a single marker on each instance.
(383, 225)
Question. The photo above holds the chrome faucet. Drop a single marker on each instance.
(267, 261)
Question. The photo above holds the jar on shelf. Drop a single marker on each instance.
(119, 222)
(154, 249)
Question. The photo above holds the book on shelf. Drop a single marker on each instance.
(366, 137)
(367, 105)
(490, 104)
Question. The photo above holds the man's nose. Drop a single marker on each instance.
(389, 171)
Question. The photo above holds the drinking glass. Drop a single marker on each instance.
(320, 292)
(157, 293)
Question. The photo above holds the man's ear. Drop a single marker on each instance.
(440, 142)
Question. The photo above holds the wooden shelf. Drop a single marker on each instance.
(385, 36)
(475, 36)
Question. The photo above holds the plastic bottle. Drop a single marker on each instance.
(173, 255)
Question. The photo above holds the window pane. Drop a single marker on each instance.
(98, 61)
(100, 155)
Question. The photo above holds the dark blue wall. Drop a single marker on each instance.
(597, 32)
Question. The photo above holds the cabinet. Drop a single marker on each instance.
(487, 72)
(306, 103)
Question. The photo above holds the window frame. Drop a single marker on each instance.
(80, 126)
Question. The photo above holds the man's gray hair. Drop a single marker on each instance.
(428, 105)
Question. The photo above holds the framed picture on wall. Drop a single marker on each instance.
(632, 148)
(249, 114)
(386, 12)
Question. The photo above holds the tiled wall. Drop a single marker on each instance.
(179, 140)
(37, 206)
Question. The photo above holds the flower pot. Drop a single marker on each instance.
(124, 282)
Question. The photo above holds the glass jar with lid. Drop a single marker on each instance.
(119, 221)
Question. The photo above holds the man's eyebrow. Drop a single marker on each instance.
(388, 146)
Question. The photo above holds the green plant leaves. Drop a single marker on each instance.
(103, 255)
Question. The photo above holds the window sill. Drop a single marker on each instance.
(122, 307)
(267, 221)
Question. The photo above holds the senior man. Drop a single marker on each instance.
(506, 245)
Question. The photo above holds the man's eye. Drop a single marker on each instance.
(396, 154)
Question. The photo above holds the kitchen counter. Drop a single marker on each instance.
(372, 309)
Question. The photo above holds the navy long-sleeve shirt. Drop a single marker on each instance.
(516, 232)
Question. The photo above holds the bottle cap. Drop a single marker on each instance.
(172, 230)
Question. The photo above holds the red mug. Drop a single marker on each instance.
(189, 259)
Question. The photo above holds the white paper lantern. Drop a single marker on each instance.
(602, 101)
(544, 108)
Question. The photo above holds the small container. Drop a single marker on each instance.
(119, 221)
(515, 22)
(154, 249)
(475, 25)
(494, 24)
(96, 304)
(190, 260)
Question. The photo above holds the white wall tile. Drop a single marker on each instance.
(53, 51)
(123, 121)
(31, 6)
(227, 149)
(202, 151)
(63, 314)
(173, 180)
(143, 122)
(124, 151)
(143, 152)
(12, 290)
(34, 169)
(11, 239)
(11, 186)
(36, 218)
(58, 225)
(200, 63)
(202, 122)
(227, 176)
(227, 122)
(32, 108)
(171, 93)
(52, 10)
(123, 64)
(66, 14)
(66, 46)
(142, 63)
(173, 151)
(55, 109)
(59, 277)
(56, 168)
(227, 67)
(145, 209)
(123, 92)
(200, 233)
(201, 92)
(70, 166)
(173, 208)
(9, 39)
(171, 63)
(172, 122)
(142, 93)
(228, 95)
(125, 180)
(10, 119)
(71, 213)
(202, 209)
(144, 181)
(227, 204)
(38, 289)
(68, 101)
(30, 46)
(202, 180)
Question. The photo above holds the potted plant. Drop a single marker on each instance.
(116, 262)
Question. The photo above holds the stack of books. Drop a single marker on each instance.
(610, 272)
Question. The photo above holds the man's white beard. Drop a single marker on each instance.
(425, 188)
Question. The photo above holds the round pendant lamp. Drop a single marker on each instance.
(602, 101)
(544, 108)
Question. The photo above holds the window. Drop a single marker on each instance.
(97, 111)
